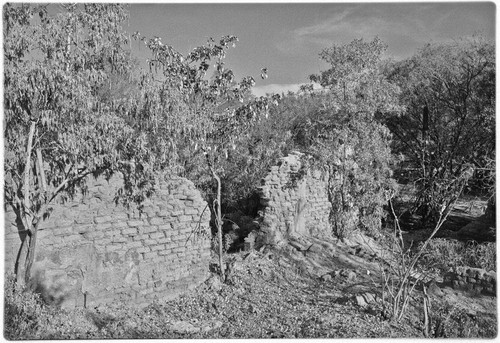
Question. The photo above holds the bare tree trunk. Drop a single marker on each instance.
(24, 213)
(20, 265)
(30, 258)
(218, 223)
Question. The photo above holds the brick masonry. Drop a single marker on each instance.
(91, 251)
(294, 202)
(472, 279)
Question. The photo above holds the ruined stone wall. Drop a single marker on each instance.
(472, 279)
(92, 251)
(295, 201)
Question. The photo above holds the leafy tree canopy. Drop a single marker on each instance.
(448, 91)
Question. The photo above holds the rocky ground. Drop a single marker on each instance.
(307, 289)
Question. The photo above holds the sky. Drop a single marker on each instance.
(287, 38)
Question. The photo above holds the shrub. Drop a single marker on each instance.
(22, 313)
(454, 322)
(443, 254)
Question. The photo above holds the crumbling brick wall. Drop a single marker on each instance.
(92, 251)
(472, 279)
(294, 201)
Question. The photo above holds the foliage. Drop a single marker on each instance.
(444, 254)
(56, 131)
(355, 79)
(405, 269)
(185, 120)
(344, 135)
(448, 91)
(22, 311)
(450, 321)
(75, 107)
(322, 124)
(353, 146)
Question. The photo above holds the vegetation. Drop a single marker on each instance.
(76, 105)
(56, 129)
(448, 91)
(56, 136)
(443, 254)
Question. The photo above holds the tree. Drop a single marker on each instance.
(449, 125)
(355, 80)
(56, 131)
(186, 118)
(345, 136)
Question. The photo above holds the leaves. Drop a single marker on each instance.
(452, 86)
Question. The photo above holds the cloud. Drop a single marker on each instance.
(404, 27)
(278, 88)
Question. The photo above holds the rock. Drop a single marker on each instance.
(369, 297)
(183, 327)
(326, 277)
(212, 326)
(315, 248)
(327, 245)
(434, 289)
(297, 245)
(214, 283)
(360, 301)
(351, 275)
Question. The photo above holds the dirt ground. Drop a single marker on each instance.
(307, 288)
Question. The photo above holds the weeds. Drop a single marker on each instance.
(443, 254)
(450, 321)
(22, 312)
(401, 277)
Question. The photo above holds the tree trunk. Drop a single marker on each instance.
(22, 275)
(20, 265)
(218, 223)
(31, 252)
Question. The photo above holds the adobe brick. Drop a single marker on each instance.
(156, 221)
(156, 235)
(143, 249)
(103, 226)
(134, 223)
(148, 229)
(163, 240)
(104, 219)
(185, 218)
(129, 231)
(63, 231)
(119, 239)
(131, 245)
(150, 255)
(158, 247)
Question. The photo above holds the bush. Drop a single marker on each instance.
(454, 322)
(352, 147)
(22, 313)
(443, 254)
(27, 317)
